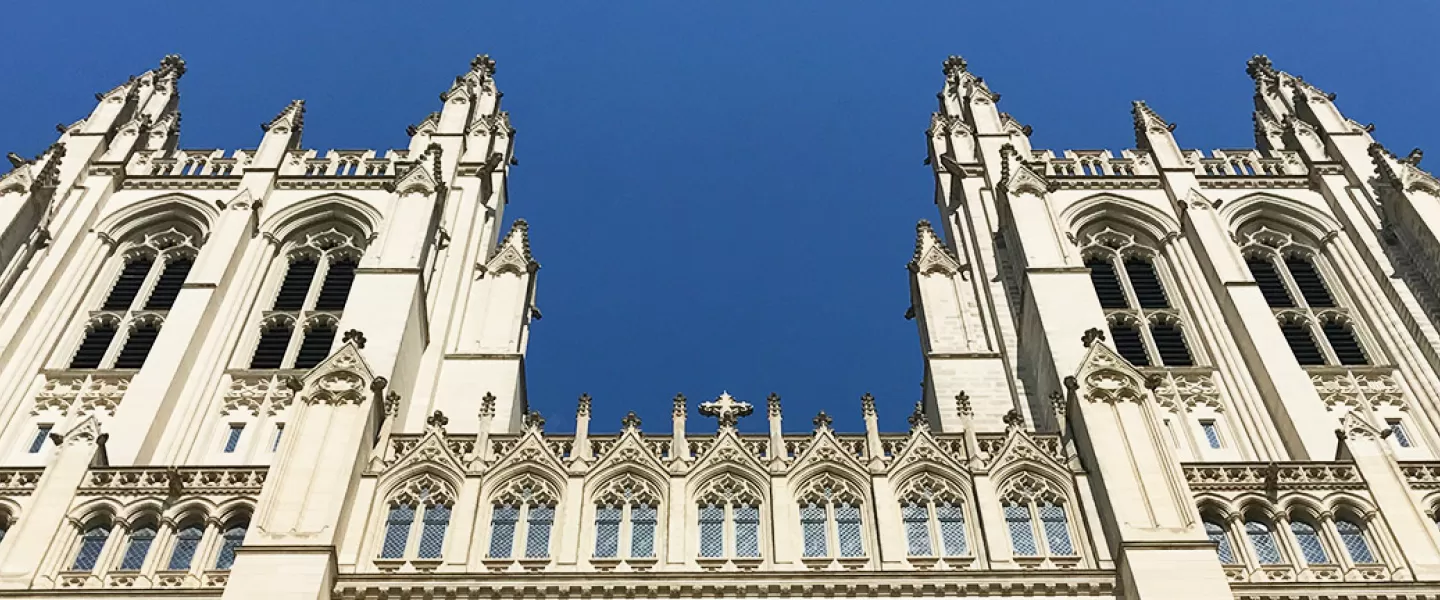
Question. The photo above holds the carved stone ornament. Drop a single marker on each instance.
(534, 422)
(437, 422)
(917, 419)
(822, 421)
(343, 378)
(1091, 336)
(631, 422)
(962, 405)
(726, 410)
(513, 253)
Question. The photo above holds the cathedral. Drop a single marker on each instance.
(1154, 373)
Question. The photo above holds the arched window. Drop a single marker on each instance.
(1317, 327)
(92, 543)
(1217, 535)
(153, 271)
(1311, 547)
(1262, 539)
(932, 511)
(187, 542)
(830, 519)
(142, 536)
(230, 539)
(300, 327)
(729, 519)
(523, 515)
(1144, 326)
(1353, 537)
(429, 500)
(1036, 518)
(627, 503)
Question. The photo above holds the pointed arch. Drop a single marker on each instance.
(1096, 211)
(188, 211)
(106, 508)
(354, 214)
(241, 508)
(190, 508)
(1261, 208)
(433, 481)
(805, 479)
(508, 477)
(702, 478)
(927, 477)
(1255, 505)
(137, 510)
(598, 480)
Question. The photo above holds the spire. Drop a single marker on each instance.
(513, 252)
(291, 118)
(1148, 123)
(1018, 177)
(931, 254)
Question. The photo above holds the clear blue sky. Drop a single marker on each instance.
(722, 194)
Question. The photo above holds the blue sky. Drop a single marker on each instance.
(722, 194)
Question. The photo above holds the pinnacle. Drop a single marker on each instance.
(171, 64)
(295, 112)
(955, 64)
(1258, 66)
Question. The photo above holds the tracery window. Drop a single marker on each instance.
(121, 333)
(231, 538)
(1036, 517)
(92, 543)
(830, 519)
(933, 513)
(729, 519)
(626, 514)
(431, 501)
(521, 520)
(1144, 326)
(300, 327)
(1319, 329)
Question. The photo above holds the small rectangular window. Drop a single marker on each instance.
(232, 439)
(42, 433)
(1397, 431)
(279, 431)
(1212, 432)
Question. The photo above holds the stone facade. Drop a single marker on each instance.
(1154, 374)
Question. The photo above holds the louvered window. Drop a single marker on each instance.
(1316, 326)
(319, 273)
(1130, 345)
(1312, 288)
(1342, 341)
(296, 285)
(1302, 344)
(167, 287)
(1271, 286)
(1107, 284)
(316, 345)
(137, 346)
(1170, 344)
(274, 342)
(1146, 283)
(337, 285)
(93, 348)
(127, 285)
(151, 279)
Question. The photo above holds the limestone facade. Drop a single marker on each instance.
(286, 373)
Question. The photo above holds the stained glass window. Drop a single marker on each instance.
(1057, 529)
(233, 537)
(1354, 539)
(397, 531)
(502, 530)
(432, 534)
(1263, 541)
(847, 530)
(917, 528)
(607, 531)
(1216, 533)
(642, 530)
(1309, 540)
(1022, 533)
(812, 526)
(952, 528)
(712, 530)
(92, 542)
(537, 531)
(187, 541)
(139, 547)
(747, 531)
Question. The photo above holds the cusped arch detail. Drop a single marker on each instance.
(1259, 209)
(188, 211)
(1122, 212)
(354, 214)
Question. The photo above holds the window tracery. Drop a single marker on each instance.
(626, 509)
(830, 519)
(933, 513)
(729, 518)
(420, 507)
(300, 326)
(1144, 325)
(120, 333)
(1317, 326)
(522, 516)
(1036, 517)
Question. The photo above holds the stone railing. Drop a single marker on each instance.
(1272, 476)
(1422, 475)
(1245, 163)
(19, 481)
(188, 163)
(1093, 163)
(344, 163)
(198, 481)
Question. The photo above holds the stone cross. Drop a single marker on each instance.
(726, 410)
(631, 421)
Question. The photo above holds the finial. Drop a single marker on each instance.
(867, 405)
(482, 63)
(955, 65)
(392, 404)
(172, 64)
(437, 421)
(534, 421)
(678, 409)
(962, 404)
(295, 111)
(822, 421)
(1013, 420)
(356, 335)
(631, 422)
(1071, 384)
(1057, 404)
(772, 404)
(378, 385)
(1259, 66)
(582, 409)
(487, 405)
(1413, 159)
(726, 410)
(918, 422)
(1092, 335)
